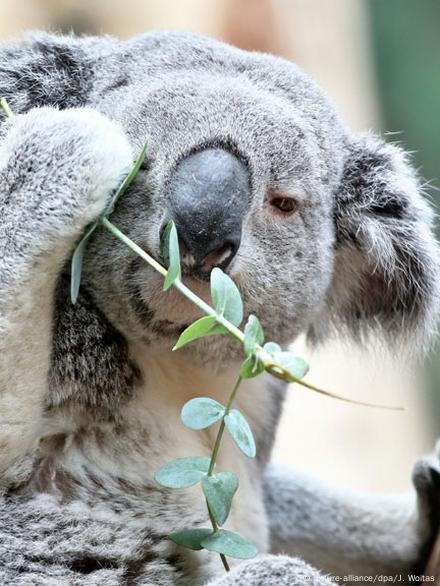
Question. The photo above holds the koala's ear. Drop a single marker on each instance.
(46, 70)
(386, 268)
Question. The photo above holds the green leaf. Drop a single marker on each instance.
(77, 263)
(239, 428)
(272, 347)
(78, 255)
(226, 297)
(253, 334)
(219, 491)
(126, 182)
(205, 326)
(172, 254)
(251, 367)
(164, 243)
(183, 472)
(201, 412)
(230, 544)
(191, 538)
(294, 364)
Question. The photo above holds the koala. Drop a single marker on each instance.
(323, 231)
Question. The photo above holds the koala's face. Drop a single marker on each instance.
(261, 177)
(246, 173)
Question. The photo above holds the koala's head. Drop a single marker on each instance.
(245, 155)
(321, 229)
(317, 226)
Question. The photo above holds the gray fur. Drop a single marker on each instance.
(269, 569)
(90, 395)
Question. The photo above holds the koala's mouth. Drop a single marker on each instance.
(172, 308)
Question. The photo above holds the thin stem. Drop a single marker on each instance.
(134, 247)
(6, 109)
(215, 529)
(218, 439)
(216, 447)
(233, 394)
(214, 455)
(225, 562)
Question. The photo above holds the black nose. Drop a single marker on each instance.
(209, 193)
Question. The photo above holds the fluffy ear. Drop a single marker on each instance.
(46, 70)
(386, 270)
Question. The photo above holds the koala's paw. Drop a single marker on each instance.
(272, 570)
(426, 478)
(72, 158)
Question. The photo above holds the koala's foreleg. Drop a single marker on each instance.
(348, 532)
(57, 171)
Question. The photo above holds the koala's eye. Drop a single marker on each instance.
(282, 204)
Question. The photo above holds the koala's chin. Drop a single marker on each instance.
(214, 354)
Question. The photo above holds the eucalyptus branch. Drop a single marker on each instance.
(270, 364)
(202, 412)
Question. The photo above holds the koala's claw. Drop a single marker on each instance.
(426, 479)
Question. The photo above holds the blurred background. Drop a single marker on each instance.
(380, 63)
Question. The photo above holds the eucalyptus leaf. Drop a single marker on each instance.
(297, 366)
(226, 297)
(191, 538)
(126, 182)
(183, 472)
(251, 367)
(77, 263)
(78, 255)
(272, 347)
(230, 544)
(172, 253)
(239, 428)
(201, 412)
(205, 326)
(253, 334)
(164, 244)
(219, 491)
